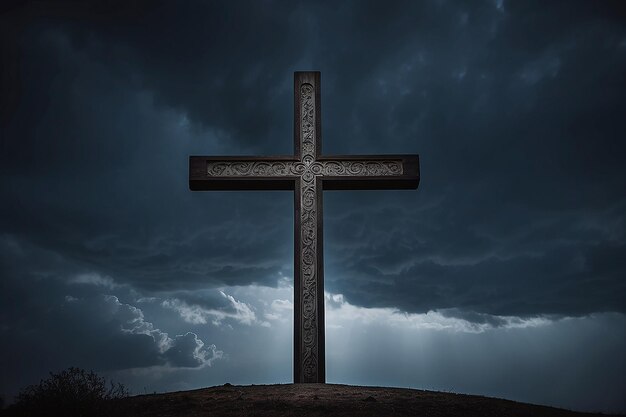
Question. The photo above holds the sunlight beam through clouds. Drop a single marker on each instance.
(442, 350)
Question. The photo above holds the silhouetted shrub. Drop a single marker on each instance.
(72, 392)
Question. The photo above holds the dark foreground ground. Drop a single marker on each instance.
(304, 400)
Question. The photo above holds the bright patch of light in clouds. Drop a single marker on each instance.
(451, 350)
(196, 314)
(280, 310)
(341, 314)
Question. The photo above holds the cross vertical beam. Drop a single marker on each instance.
(309, 344)
(307, 172)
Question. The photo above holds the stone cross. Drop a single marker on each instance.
(307, 172)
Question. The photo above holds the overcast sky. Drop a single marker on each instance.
(502, 275)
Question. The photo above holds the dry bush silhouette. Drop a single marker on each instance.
(72, 392)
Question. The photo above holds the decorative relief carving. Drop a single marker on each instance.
(308, 235)
(339, 168)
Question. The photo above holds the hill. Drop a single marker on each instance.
(305, 400)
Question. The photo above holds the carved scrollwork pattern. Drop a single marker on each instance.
(339, 168)
(308, 236)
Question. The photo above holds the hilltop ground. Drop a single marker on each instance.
(305, 400)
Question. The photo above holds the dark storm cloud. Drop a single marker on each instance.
(557, 266)
(51, 320)
(517, 115)
(73, 183)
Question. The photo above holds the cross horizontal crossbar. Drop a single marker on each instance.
(345, 172)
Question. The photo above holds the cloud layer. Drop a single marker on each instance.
(516, 110)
